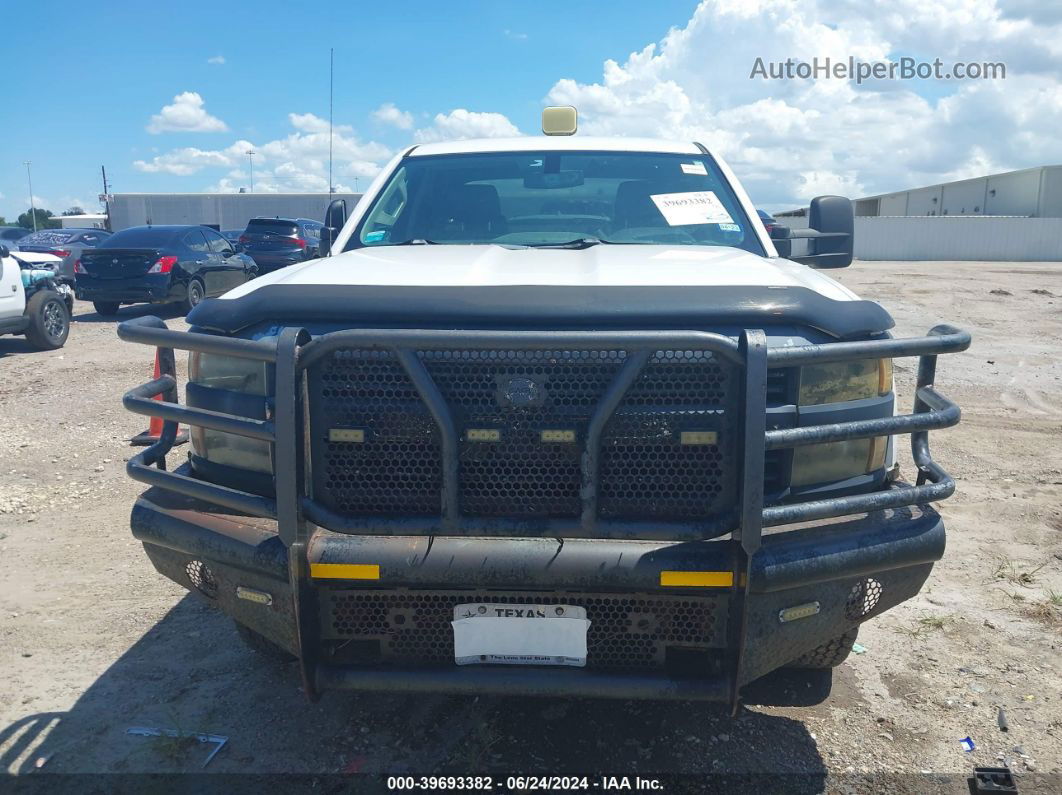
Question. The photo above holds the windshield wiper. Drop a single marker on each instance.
(579, 242)
(416, 241)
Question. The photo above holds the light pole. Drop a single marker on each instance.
(33, 208)
(250, 161)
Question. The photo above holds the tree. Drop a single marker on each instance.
(45, 219)
(75, 210)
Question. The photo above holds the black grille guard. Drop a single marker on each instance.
(293, 352)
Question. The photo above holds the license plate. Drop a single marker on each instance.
(507, 634)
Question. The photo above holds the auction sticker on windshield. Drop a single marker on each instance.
(695, 207)
(508, 634)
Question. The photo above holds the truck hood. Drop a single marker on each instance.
(483, 287)
(598, 266)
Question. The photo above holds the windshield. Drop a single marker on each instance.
(557, 199)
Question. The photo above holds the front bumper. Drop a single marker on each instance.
(652, 641)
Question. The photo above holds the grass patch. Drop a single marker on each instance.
(1047, 610)
(926, 625)
(1016, 574)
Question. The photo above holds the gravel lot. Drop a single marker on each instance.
(93, 641)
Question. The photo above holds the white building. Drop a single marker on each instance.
(85, 221)
(1029, 193)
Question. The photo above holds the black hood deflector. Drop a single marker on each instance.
(536, 307)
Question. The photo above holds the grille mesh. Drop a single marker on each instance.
(645, 472)
(626, 632)
(397, 468)
(521, 475)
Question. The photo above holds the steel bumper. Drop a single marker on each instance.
(889, 553)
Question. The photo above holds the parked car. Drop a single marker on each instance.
(160, 264)
(278, 242)
(67, 244)
(10, 235)
(777, 232)
(233, 236)
(768, 220)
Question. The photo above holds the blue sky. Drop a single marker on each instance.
(119, 65)
(171, 100)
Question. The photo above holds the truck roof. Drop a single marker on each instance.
(560, 143)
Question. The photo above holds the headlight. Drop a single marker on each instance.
(247, 377)
(838, 381)
(227, 372)
(834, 461)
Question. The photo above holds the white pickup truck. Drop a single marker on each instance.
(552, 417)
(32, 301)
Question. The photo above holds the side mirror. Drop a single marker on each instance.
(831, 233)
(4, 251)
(335, 218)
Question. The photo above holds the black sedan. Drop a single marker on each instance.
(160, 264)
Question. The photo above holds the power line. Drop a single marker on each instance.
(250, 160)
(331, 72)
(33, 207)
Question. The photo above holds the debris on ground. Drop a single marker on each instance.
(996, 780)
(967, 744)
(218, 739)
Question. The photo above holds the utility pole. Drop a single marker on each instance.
(33, 207)
(103, 198)
(331, 72)
(250, 160)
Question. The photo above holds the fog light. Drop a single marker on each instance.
(798, 611)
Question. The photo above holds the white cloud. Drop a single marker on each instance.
(296, 163)
(216, 59)
(308, 122)
(186, 114)
(788, 140)
(190, 160)
(512, 34)
(461, 123)
(387, 113)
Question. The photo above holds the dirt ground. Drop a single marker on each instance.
(93, 641)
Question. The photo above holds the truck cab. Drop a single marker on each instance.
(553, 417)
